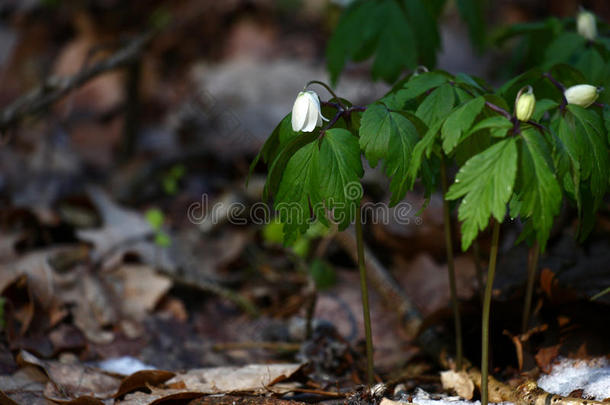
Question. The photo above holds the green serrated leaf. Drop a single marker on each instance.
(396, 48)
(424, 146)
(276, 170)
(542, 106)
(460, 121)
(594, 159)
(473, 12)
(538, 190)
(607, 120)
(437, 105)
(402, 143)
(320, 177)
(497, 124)
(356, 28)
(563, 47)
(486, 184)
(281, 134)
(425, 28)
(414, 87)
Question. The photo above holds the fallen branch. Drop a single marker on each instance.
(55, 88)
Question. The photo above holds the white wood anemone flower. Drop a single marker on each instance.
(306, 112)
(586, 25)
(582, 94)
(525, 103)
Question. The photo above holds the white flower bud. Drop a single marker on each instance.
(585, 25)
(525, 104)
(582, 94)
(306, 112)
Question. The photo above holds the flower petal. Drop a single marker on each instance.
(312, 117)
(299, 112)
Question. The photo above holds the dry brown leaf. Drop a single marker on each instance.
(142, 379)
(546, 356)
(123, 231)
(157, 396)
(71, 381)
(459, 382)
(139, 289)
(250, 378)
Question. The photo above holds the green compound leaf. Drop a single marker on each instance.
(400, 34)
(401, 146)
(590, 146)
(282, 134)
(425, 28)
(538, 190)
(356, 30)
(414, 87)
(497, 124)
(321, 176)
(486, 184)
(286, 151)
(472, 12)
(396, 49)
(437, 105)
(424, 146)
(381, 132)
(460, 121)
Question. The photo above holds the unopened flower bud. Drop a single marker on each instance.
(306, 112)
(582, 94)
(586, 25)
(525, 104)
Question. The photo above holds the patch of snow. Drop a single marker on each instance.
(125, 365)
(593, 377)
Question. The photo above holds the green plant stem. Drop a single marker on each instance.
(476, 251)
(451, 269)
(493, 254)
(532, 270)
(365, 298)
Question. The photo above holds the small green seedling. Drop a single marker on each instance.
(156, 219)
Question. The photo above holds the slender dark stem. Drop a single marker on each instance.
(311, 309)
(498, 109)
(540, 127)
(451, 269)
(332, 122)
(493, 254)
(476, 251)
(365, 299)
(532, 267)
(489, 104)
(560, 87)
(327, 87)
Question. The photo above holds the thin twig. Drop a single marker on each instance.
(55, 88)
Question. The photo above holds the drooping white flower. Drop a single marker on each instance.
(306, 112)
(525, 104)
(585, 25)
(582, 94)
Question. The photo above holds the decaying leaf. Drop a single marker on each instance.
(71, 381)
(123, 231)
(139, 289)
(250, 378)
(459, 382)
